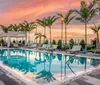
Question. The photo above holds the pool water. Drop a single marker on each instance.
(46, 67)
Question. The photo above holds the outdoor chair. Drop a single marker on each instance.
(15, 45)
(32, 46)
(75, 49)
(43, 47)
(51, 48)
(98, 48)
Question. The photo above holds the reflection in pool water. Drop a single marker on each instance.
(45, 67)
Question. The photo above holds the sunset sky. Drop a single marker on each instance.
(15, 11)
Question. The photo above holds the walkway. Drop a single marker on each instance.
(90, 79)
(5, 80)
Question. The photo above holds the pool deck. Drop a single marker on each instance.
(89, 79)
(6, 80)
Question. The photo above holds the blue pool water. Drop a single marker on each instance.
(46, 67)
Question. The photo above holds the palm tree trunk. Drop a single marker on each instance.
(86, 36)
(50, 35)
(36, 32)
(62, 31)
(65, 34)
(97, 37)
(26, 39)
(29, 37)
(40, 40)
(44, 32)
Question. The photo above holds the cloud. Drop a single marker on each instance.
(15, 11)
(18, 10)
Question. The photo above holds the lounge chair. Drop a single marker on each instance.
(32, 46)
(44, 46)
(54, 47)
(51, 48)
(98, 48)
(15, 45)
(75, 49)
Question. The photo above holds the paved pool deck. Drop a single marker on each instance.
(6, 80)
(89, 79)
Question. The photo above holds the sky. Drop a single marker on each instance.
(16, 11)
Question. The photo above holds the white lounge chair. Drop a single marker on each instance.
(15, 45)
(98, 48)
(75, 49)
(44, 46)
(32, 46)
(55, 47)
(51, 48)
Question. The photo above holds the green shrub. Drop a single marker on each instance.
(71, 43)
(65, 47)
(54, 42)
(59, 44)
(89, 47)
(93, 42)
(82, 43)
(46, 42)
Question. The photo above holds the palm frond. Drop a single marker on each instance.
(60, 15)
(4, 28)
(70, 19)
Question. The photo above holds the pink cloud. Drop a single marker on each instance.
(32, 9)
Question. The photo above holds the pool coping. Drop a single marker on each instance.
(27, 81)
(58, 52)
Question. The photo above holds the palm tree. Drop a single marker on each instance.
(4, 28)
(39, 36)
(62, 21)
(43, 24)
(28, 27)
(66, 19)
(36, 28)
(50, 20)
(96, 30)
(85, 14)
(14, 27)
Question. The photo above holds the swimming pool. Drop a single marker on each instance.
(46, 67)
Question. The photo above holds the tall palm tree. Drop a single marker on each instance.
(50, 20)
(36, 28)
(96, 30)
(85, 14)
(39, 36)
(43, 24)
(62, 21)
(66, 19)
